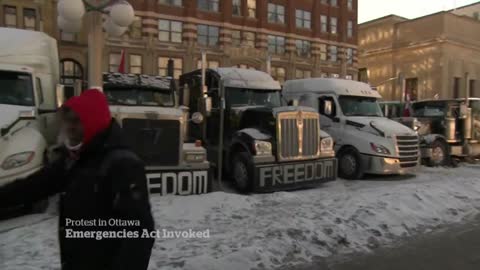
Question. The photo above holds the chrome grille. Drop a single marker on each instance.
(298, 136)
(408, 150)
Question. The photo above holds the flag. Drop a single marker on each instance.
(121, 66)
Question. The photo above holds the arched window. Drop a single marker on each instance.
(70, 73)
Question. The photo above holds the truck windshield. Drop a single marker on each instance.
(238, 97)
(16, 88)
(360, 106)
(429, 110)
(140, 97)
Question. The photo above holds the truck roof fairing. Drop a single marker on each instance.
(140, 81)
(29, 48)
(446, 100)
(339, 87)
(243, 78)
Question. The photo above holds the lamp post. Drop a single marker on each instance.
(120, 16)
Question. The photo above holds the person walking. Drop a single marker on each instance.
(104, 207)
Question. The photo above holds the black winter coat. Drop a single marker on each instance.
(106, 183)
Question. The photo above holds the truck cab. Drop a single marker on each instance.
(449, 127)
(259, 143)
(365, 140)
(29, 97)
(155, 127)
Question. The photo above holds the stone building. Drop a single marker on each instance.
(435, 55)
(303, 38)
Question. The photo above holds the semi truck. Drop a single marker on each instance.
(447, 128)
(365, 140)
(156, 128)
(251, 137)
(29, 97)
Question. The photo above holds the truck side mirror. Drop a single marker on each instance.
(60, 93)
(197, 118)
(207, 102)
(328, 107)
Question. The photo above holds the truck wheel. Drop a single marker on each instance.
(349, 164)
(242, 172)
(440, 154)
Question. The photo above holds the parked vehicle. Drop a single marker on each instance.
(29, 97)
(251, 137)
(155, 126)
(447, 128)
(365, 140)
(392, 109)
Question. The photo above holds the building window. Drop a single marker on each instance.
(349, 56)
(363, 75)
(177, 66)
(135, 64)
(252, 8)
(10, 16)
(350, 4)
(323, 23)
(135, 29)
(456, 87)
(303, 74)
(411, 88)
(207, 35)
(333, 3)
(114, 62)
(276, 13)
(29, 19)
(472, 89)
(333, 25)
(208, 5)
(70, 71)
(249, 39)
(323, 52)
(325, 2)
(333, 53)
(236, 38)
(170, 31)
(70, 37)
(349, 29)
(210, 64)
(349, 77)
(334, 75)
(303, 19)
(276, 44)
(279, 74)
(171, 2)
(237, 7)
(303, 48)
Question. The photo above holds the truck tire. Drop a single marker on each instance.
(440, 155)
(349, 164)
(242, 172)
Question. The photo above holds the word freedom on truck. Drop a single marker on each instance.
(124, 234)
(271, 176)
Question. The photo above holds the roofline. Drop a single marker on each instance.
(384, 17)
(469, 5)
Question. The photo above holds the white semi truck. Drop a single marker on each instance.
(29, 97)
(365, 140)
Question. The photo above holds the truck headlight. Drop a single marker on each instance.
(17, 160)
(326, 144)
(194, 157)
(263, 148)
(379, 149)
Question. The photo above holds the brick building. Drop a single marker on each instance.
(303, 38)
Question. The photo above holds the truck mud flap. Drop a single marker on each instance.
(180, 182)
(290, 176)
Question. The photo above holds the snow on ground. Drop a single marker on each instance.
(265, 231)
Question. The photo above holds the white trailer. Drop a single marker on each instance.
(365, 140)
(29, 74)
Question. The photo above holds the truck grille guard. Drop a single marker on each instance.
(298, 136)
(408, 147)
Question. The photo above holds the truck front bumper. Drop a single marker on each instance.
(293, 175)
(188, 179)
(388, 165)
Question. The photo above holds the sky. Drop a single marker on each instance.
(373, 9)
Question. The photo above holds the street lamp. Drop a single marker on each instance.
(120, 16)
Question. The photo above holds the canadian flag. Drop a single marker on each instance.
(407, 108)
(121, 66)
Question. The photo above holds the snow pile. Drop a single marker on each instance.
(265, 231)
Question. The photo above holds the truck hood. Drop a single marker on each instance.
(9, 113)
(385, 125)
